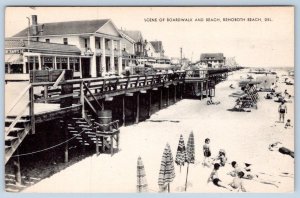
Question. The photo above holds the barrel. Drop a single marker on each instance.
(104, 117)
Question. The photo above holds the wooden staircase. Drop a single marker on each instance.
(11, 184)
(15, 135)
(83, 130)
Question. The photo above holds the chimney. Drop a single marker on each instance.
(34, 26)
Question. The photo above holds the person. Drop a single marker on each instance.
(221, 158)
(268, 96)
(206, 152)
(231, 86)
(288, 124)
(237, 182)
(214, 178)
(282, 109)
(286, 93)
(247, 174)
(283, 150)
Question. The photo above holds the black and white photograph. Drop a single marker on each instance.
(149, 99)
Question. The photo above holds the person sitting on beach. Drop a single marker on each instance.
(283, 150)
(286, 93)
(268, 96)
(248, 174)
(237, 182)
(214, 177)
(221, 158)
(206, 152)
(288, 124)
(231, 86)
(282, 109)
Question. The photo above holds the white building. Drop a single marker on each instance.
(98, 40)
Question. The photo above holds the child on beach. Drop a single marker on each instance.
(237, 182)
(221, 158)
(214, 177)
(206, 152)
(288, 124)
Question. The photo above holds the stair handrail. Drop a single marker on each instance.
(87, 88)
(17, 100)
(13, 124)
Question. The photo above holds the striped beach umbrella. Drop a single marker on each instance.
(190, 154)
(142, 185)
(166, 172)
(181, 153)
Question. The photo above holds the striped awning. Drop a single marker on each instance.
(13, 59)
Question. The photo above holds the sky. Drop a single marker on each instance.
(265, 43)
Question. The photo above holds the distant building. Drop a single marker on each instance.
(231, 62)
(139, 42)
(99, 42)
(212, 60)
(155, 49)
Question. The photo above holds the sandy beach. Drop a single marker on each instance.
(245, 136)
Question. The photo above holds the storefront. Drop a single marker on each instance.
(20, 57)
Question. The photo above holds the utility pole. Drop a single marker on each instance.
(181, 56)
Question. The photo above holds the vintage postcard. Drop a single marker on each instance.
(149, 99)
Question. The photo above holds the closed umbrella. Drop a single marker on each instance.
(190, 154)
(166, 172)
(181, 153)
(142, 185)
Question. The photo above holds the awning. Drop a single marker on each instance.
(13, 59)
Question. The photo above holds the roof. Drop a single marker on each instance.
(67, 27)
(52, 47)
(213, 56)
(157, 45)
(135, 35)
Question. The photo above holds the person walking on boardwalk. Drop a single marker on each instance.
(282, 109)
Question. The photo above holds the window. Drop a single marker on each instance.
(65, 41)
(115, 46)
(47, 40)
(124, 47)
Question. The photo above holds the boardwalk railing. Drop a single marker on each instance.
(99, 88)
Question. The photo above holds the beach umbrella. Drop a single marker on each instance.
(166, 172)
(190, 154)
(181, 153)
(142, 185)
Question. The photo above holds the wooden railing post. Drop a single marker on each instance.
(123, 111)
(45, 93)
(31, 109)
(82, 99)
(150, 103)
(137, 108)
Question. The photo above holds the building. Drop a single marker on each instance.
(139, 42)
(128, 50)
(212, 60)
(22, 56)
(99, 42)
(155, 49)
